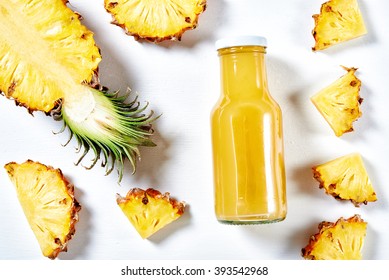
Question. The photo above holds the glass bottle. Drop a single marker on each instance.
(247, 138)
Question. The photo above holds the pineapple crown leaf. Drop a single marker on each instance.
(114, 141)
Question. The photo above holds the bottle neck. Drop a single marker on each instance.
(243, 71)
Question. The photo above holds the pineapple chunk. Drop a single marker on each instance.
(342, 240)
(156, 20)
(339, 102)
(149, 211)
(346, 178)
(48, 202)
(339, 21)
(44, 49)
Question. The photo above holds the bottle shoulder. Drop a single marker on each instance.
(255, 103)
(228, 111)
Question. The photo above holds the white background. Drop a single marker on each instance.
(181, 82)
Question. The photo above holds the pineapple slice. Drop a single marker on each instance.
(339, 102)
(40, 54)
(342, 240)
(48, 202)
(346, 178)
(339, 21)
(156, 20)
(149, 211)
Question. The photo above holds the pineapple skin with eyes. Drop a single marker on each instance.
(338, 21)
(48, 202)
(342, 240)
(345, 178)
(149, 210)
(339, 103)
(155, 21)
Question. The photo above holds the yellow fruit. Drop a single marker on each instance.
(43, 48)
(338, 21)
(339, 103)
(346, 178)
(149, 210)
(342, 240)
(156, 20)
(49, 62)
(48, 202)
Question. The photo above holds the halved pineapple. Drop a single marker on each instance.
(346, 178)
(49, 62)
(342, 240)
(156, 20)
(48, 202)
(338, 21)
(149, 210)
(339, 103)
(44, 48)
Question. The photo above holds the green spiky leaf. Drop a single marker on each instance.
(113, 128)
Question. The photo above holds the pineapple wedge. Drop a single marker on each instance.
(149, 210)
(338, 21)
(156, 20)
(339, 103)
(342, 240)
(48, 202)
(346, 178)
(44, 48)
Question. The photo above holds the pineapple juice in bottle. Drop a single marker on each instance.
(247, 138)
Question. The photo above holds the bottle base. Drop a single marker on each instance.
(250, 221)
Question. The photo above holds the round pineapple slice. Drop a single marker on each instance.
(338, 21)
(48, 202)
(342, 240)
(149, 210)
(156, 20)
(339, 103)
(346, 178)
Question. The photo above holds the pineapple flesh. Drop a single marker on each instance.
(346, 178)
(156, 20)
(149, 210)
(48, 202)
(338, 21)
(342, 240)
(44, 49)
(339, 103)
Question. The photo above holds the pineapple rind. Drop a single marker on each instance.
(339, 103)
(155, 21)
(346, 178)
(338, 21)
(342, 240)
(149, 210)
(44, 47)
(48, 202)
